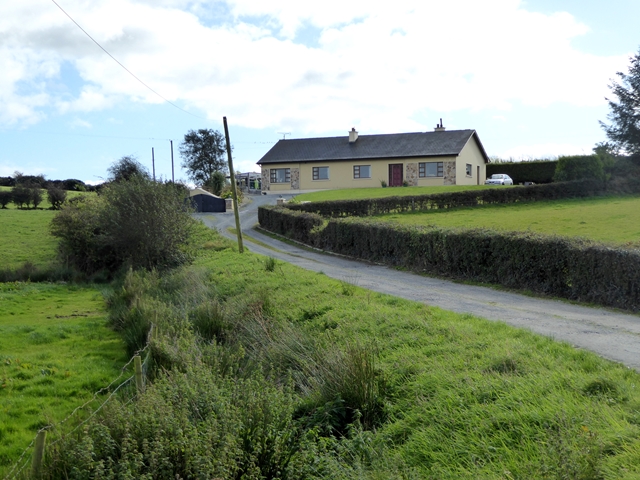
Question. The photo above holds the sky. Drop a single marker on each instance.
(530, 76)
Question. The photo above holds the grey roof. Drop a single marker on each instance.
(395, 145)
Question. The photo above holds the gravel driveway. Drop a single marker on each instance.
(611, 334)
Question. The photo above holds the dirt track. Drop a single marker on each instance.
(611, 334)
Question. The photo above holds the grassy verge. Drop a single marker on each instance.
(275, 371)
(359, 193)
(55, 352)
(608, 220)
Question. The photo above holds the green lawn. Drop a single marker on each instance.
(359, 193)
(25, 237)
(609, 219)
(55, 352)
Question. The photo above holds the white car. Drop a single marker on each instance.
(499, 179)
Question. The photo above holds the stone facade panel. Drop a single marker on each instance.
(411, 175)
(295, 179)
(449, 171)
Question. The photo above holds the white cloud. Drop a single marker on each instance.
(380, 66)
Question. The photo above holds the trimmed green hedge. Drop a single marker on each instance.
(557, 266)
(540, 171)
(467, 198)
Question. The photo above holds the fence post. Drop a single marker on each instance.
(38, 454)
(139, 379)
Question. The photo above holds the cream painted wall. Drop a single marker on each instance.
(341, 173)
(471, 154)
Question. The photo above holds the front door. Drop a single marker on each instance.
(395, 175)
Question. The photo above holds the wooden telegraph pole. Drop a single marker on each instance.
(233, 186)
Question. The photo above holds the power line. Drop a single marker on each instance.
(125, 68)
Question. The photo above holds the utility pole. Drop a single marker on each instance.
(153, 163)
(233, 186)
(173, 179)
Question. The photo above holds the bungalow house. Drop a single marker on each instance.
(441, 157)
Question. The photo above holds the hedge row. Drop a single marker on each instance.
(467, 198)
(557, 266)
(537, 171)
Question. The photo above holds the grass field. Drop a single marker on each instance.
(26, 237)
(360, 193)
(45, 205)
(614, 220)
(55, 352)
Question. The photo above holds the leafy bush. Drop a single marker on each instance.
(21, 196)
(56, 196)
(137, 222)
(579, 167)
(6, 197)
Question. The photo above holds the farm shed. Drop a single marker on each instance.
(204, 201)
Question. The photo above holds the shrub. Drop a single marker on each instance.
(137, 222)
(21, 196)
(56, 196)
(36, 195)
(6, 197)
(579, 167)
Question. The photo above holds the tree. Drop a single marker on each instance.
(579, 167)
(5, 198)
(57, 196)
(36, 195)
(624, 130)
(21, 196)
(203, 154)
(136, 222)
(126, 168)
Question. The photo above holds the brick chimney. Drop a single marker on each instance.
(439, 127)
(353, 135)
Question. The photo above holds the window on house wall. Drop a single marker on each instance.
(469, 170)
(430, 169)
(362, 171)
(321, 173)
(280, 175)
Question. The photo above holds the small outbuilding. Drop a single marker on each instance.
(204, 201)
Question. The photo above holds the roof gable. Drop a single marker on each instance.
(395, 145)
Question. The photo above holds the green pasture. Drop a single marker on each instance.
(55, 352)
(379, 192)
(614, 220)
(45, 205)
(25, 237)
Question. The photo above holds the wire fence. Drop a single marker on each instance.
(29, 453)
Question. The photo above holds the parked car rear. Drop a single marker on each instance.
(499, 179)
